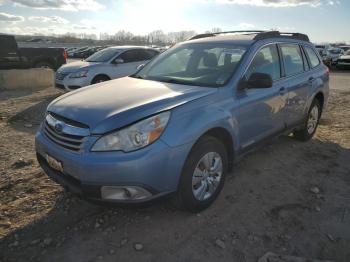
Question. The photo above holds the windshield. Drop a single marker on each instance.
(194, 64)
(103, 56)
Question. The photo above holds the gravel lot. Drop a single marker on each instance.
(289, 197)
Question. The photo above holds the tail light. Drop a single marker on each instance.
(65, 54)
(327, 70)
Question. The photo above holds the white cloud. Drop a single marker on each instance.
(49, 19)
(278, 3)
(85, 24)
(68, 5)
(5, 17)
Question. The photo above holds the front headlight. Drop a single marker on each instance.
(79, 74)
(135, 136)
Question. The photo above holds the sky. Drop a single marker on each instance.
(322, 20)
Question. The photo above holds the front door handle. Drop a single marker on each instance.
(311, 79)
(283, 91)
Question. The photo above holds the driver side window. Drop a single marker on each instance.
(266, 61)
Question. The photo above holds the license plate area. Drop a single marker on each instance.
(54, 164)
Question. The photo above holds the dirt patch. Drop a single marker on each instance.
(269, 202)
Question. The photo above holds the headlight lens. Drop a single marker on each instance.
(79, 74)
(135, 136)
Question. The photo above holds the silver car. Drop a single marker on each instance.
(110, 63)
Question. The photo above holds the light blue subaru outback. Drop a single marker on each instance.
(177, 125)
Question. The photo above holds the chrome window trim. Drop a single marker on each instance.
(278, 43)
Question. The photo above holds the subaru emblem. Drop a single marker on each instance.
(58, 128)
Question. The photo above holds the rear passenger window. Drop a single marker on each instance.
(266, 61)
(292, 59)
(146, 54)
(313, 58)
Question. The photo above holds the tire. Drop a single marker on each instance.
(306, 133)
(100, 79)
(43, 64)
(193, 192)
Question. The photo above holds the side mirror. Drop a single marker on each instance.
(139, 67)
(118, 61)
(256, 80)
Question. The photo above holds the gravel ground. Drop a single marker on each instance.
(289, 197)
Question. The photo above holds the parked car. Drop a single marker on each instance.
(334, 54)
(107, 64)
(13, 57)
(177, 125)
(86, 53)
(72, 53)
(344, 61)
(345, 47)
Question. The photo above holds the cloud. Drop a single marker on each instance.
(85, 24)
(5, 17)
(68, 5)
(49, 19)
(278, 3)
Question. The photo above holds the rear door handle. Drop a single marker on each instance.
(311, 79)
(283, 91)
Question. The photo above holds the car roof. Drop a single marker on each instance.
(247, 37)
(225, 39)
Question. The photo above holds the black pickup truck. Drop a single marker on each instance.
(13, 57)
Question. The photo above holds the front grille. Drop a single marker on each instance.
(61, 76)
(344, 60)
(61, 137)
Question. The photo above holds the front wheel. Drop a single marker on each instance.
(311, 123)
(100, 79)
(203, 175)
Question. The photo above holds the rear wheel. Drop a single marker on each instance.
(311, 123)
(203, 175)
(99, 79)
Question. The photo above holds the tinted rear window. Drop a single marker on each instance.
(313, 58)
(293, 61)
(7, 43)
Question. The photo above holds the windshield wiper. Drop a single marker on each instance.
(137, 76)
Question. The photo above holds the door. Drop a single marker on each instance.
(131, 60)
(262, 110)
(9, 56)
(296, 80)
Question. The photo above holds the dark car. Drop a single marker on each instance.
(13, 57)
(87, 52)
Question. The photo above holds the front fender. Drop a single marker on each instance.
(189, 126)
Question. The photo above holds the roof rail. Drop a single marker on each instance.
(259, 35)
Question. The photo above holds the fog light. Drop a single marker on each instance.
(124, 193)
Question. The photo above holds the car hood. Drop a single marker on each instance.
(344, 57)
(113, 104)
(75, 66)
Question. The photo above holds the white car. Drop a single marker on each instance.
(334, 54)
(107, 64)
